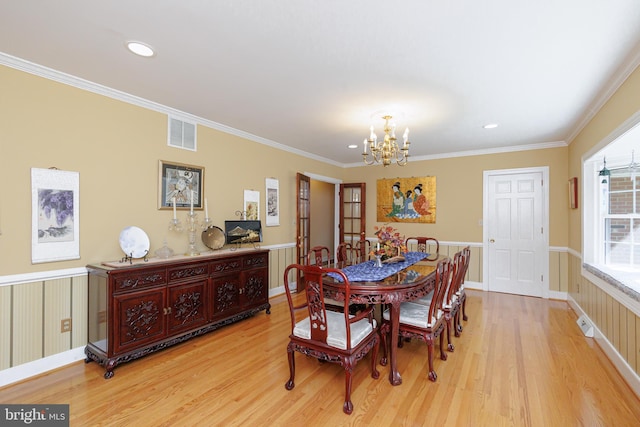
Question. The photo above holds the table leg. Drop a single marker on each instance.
(394, 375)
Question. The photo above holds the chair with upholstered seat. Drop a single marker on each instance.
(451, 304)
(429, 245)
(328, 335)
(426, 323)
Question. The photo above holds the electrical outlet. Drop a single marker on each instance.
(65, 325)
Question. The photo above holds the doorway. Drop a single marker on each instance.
(515, 231)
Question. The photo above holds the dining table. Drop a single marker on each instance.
(389, 285)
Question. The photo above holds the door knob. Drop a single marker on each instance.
(491, 241)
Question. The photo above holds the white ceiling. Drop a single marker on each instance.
(314, 75)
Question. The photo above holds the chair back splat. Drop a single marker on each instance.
(348, 253)
(331, 336)
(428, 245)
(321, 255)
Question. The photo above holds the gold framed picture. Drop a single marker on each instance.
(181, 184)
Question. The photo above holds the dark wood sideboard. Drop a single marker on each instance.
(138, 309)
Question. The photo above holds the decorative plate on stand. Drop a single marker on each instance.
(134, 242)
(213, 237)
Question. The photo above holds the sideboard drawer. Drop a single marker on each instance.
(257, 260)
(132, 281)
(226, 266)
(188, 272)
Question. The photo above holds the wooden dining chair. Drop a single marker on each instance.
(364, 246)
(452, 299)
(320, 255)
(426, 323)
(451, 304)
(328, 335)
(348, 253)
(429, 245)
(462, 296)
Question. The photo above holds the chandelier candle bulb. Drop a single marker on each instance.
(191, 211)
(364, 151)
(206, 208)
(173, 200)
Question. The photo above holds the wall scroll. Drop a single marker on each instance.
(252, 205)
(273, 202)
(55, 213)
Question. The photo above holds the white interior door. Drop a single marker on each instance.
(516, 232)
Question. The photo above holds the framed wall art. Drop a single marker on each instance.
(180, 182)
(243, 232)
(406, 200)
(273, 202)
(252, 205)
(55, 210)
(573, 193)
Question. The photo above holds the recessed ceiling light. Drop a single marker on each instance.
(140, 49)
(353, 146)
(490, 126)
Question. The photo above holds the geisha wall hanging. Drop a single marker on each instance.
(407, 200)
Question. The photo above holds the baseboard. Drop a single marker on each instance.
(473, 285)
(40, 366)
(274, 292)
(562, 296)
(630, 376)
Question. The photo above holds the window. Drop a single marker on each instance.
(611, 215)
(621, 219)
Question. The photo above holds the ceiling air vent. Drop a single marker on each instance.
(182, 134)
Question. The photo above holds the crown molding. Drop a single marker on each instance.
(67, 79)
(619, 77)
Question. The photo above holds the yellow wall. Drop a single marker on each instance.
(621, 106)
(322, 214)
(460, 188)
(116, 147)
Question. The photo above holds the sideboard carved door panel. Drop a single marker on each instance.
(226, 295)
(140, 318)
(187, 306)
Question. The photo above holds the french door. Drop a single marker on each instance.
(303, 223)
(352, 212)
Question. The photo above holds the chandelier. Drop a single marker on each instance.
(388, 149)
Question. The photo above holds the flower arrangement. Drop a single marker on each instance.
(390, 242)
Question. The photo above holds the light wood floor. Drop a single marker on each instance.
(520, 362)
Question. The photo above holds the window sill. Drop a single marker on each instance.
(626, 281)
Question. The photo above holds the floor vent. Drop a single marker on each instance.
(585, 326)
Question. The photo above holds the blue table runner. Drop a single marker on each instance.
(368, 272)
